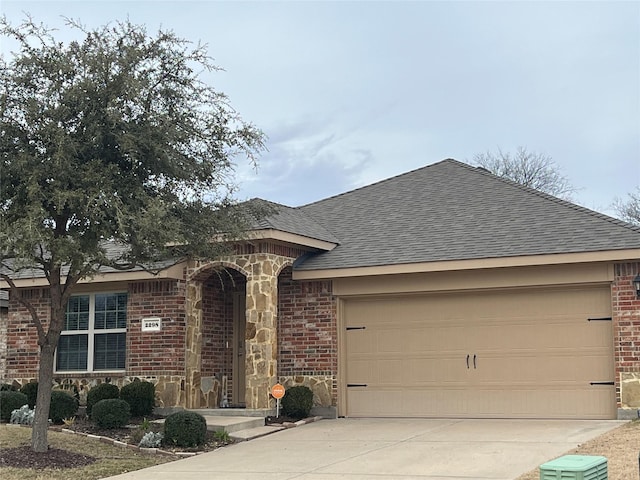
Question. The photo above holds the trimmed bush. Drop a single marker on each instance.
(111, 413)
(10, 401)
(185, 429)
(31, 391)
(7, 387)
(141, 397)
(297, 402)
(63, 406)
(101, 392)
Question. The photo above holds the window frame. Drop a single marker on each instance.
(91, 333)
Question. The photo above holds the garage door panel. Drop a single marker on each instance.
(536, 353)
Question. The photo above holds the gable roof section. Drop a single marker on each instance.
(292, 220)
(452, 211)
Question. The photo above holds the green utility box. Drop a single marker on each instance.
(575, 467)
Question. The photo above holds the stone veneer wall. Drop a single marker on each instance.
(626, 329)
(261, 271)
(307, 337)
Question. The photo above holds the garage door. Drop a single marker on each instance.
(509, 354)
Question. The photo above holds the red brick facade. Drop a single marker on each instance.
(148, 353)
(306, 331)
(626, 327)
(307, 328)
(4, 318)
(217, 327)
(22, 338)
(156, 353)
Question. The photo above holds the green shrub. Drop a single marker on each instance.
(31, 391)
(111, 413)
(10, 401)
(185, 429)
(101, 392)
(71, 389)
(63, 406)
(297, 402)
(7, 387)
(141, 397)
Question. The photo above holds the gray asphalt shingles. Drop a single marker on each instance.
(451, 211)
(293, 220)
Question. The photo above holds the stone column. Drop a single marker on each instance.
(193, 343)
(261, 333)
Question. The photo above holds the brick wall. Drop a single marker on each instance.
(156, 353)
(307, 331)
(22, 339)
(217, 325)
(4, 319)
(626, 329)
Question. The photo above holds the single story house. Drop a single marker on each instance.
(442, 292)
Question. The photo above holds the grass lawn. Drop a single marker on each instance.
(111, 460)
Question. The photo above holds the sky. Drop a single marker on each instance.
(350, 93)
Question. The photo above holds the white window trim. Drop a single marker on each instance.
(91, 333)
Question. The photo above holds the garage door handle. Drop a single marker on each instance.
(467, 362)
(601, 383)
(357, 385)
(474, 361)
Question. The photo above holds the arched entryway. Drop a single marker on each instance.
(216, 326)
(231, 312)
(223, 336)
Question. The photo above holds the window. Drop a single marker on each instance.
(94, 333)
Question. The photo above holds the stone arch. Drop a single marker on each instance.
(286, 263)
(204, 271)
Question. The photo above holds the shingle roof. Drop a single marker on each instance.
(452, 211)
(112, 250)
(293, 220)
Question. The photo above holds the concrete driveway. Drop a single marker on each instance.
(358, 449)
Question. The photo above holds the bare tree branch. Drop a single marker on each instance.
(629, 211)
(531, 169)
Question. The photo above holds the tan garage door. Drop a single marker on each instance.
(511, 354)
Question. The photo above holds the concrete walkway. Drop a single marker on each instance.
(384, 449)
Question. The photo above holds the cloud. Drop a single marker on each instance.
(305, 163)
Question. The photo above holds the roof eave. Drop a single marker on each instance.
(292, 238)
(471, 264)
(175, 272)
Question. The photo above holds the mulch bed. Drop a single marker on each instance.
(25, 457)
(279, 420)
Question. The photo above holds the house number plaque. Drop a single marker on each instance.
(151, 324)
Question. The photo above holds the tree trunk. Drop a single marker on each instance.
(39, 434)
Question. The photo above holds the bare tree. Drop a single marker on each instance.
(532, 169)
(629, 211)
